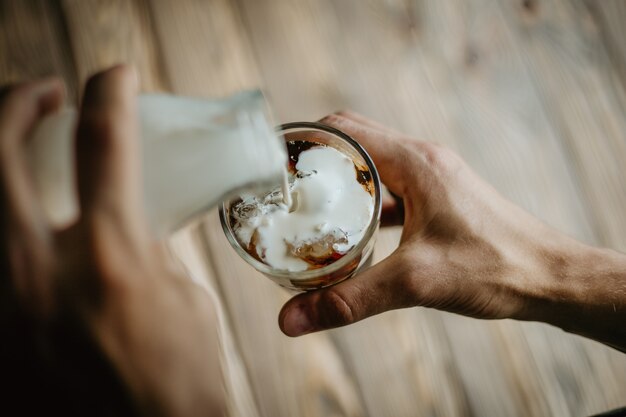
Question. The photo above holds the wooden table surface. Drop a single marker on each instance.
(531, 93)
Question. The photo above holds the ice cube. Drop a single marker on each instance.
(320, 249)
(246, 209)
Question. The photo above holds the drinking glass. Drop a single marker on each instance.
(359, 255)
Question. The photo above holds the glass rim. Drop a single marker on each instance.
(352, 253)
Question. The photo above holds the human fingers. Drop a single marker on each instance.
(373, 124)
(378, 289)
(21, 107)
(24, 251)
(22, 104)
(107, 152)
(387, 150)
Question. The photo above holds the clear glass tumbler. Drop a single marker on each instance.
(360, 254)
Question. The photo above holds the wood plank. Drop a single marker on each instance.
(105, 33)
(610, 16)
(580, 90)
(582, 97)
(109, 32)
(465, 86)
(581, 377)
(438, 84)
(188, 245)
(558, 392)
(33, 43)
(206, 53)
(534, 367)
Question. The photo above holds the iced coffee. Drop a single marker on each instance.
(318, 228)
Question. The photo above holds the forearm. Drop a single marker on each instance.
(584, 293)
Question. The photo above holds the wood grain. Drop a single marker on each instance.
(530, 93)
(566, 58)
(33, 43)
(205, 53)
(189, 246)
(466, 86)
(609, 16)
(204, 50)
(340, 55)
(579, 88)
(104, 33)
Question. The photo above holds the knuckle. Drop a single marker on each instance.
(120, 73)
(93, 84)
(100, 79)
(334, 309)
(334, 119)
(432, 151)
(344, 113)
(442, 158)
(101, 128)
(421, 274)
(101, 258)
(100, 83)
(111, 259)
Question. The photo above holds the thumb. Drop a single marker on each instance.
(371, 292)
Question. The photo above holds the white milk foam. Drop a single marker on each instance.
(330, 212)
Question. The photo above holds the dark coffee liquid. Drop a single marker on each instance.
(296, 147)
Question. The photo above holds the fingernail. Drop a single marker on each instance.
(297, 322)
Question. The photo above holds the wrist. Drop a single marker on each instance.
(581, 290)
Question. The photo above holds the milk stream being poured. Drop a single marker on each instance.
(284, 189)
(325, 213)
(195, 152)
